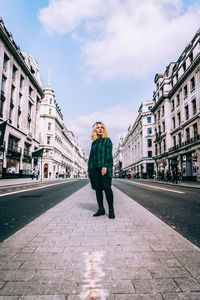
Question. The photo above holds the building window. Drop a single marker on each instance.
(163, 110)
(179, 139)
(195, 130)
(30, 91)
(149, 153)
(148, 119)
(50, 111)
(48, 140)
(186, 112)
(12, 92)
(172, 104)
(160, 148)
(185, 91)
(156, 149)
(191, 57)
(179, 117)
(192, 84)
(174, 122)
(3, 83)
(18, 118)
(155, 118)
(149, 130)
(194, 107)
(50, 101)
(14, 72)
(49, 126)
(5, 61)
(159, 115)
(164, 145)
(21, 81)
(178, 99)
(149, 108)
(174, 139)
(149, 142)
(10, 114)
(184, 66)
(188, 134)
(163, 123)
(159, 130)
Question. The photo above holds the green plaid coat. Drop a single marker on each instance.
(101, 155)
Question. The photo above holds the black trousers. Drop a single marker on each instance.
(102, 183)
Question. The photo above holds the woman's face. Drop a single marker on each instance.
(99, 129)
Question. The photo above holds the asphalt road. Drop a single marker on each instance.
(17, 210)
(179, 207)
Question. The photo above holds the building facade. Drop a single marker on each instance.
(61, 156)
(177, 115)
(136, 149)
(20, 97)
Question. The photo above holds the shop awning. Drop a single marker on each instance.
(38, 152)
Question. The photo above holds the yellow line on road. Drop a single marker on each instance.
(152, 187)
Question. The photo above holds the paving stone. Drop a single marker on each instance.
(43, 297)
(22, 288)
(9, 298)
(155, 286)
(181, 296)
(139, 297)
(188, 284)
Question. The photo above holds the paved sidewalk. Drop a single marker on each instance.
(18, 181)
(68, 254)
(190, 184)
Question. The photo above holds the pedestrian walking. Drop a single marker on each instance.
(100, 167)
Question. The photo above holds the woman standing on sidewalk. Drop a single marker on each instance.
(100, 168)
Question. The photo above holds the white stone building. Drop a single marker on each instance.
(137, 149)
(62, 156)
(177, 114)
(20, 97)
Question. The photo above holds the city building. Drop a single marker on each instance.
(177, 115)
(61, 155)
(136, 149)
(21, 92)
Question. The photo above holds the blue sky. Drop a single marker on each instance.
(103, 54)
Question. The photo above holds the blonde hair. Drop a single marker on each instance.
(94, 135)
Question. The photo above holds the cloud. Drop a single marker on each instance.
(124, 38)
(116, 118)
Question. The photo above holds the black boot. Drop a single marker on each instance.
(100, 212)
(111, 214)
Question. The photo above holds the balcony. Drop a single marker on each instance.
(158, 136)
(188, 142)
(15, 150)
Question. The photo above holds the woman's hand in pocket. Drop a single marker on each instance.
(103, 171)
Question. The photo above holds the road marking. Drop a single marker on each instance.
(153, 187)
(36, 188)
(92, 288)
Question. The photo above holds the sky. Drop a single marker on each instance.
(103, 54)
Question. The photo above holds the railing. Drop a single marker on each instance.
(14, 149)
(189, 141)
